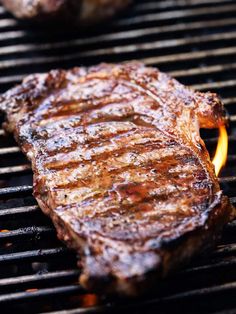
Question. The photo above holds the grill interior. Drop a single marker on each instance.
(193, 40)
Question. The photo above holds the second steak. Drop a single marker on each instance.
(70, 11)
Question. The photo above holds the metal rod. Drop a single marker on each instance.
(15, 169)
(36, 278)
(18, 210)
(9, 150)
(175, 14)
(208, 268)
(26, 232)
(181, 57)
(170, 3)
(15, 190)
(8, 23)
(227, 179)
(218, 68)
(215, 85)
(171, 43)
(29, 255)
(195, 55)
(111, 37)
(183, 296)
(40, 293)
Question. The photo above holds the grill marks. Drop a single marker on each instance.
(118, 166)
(102, 180)
(134, 144)
(139, 175)
(65, 141)
(83, 156)
(147, 219)
(92, 137)
(82, 96)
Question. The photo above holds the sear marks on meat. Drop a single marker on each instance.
(71, 11)
(120, 168)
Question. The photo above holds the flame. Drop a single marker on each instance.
(89, 300)
(32, 290)
(220, 157)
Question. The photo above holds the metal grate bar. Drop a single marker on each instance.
(208, 268)
(115, 36)
(204, 70)
(203, 292)
(18, 210)
(2, 10)
(180, 57)
(48, 293)
(15, 169)
(180, 3)
(184, 296)
(233, 118)
(175, 14)
(9, 150)
(229, 101)
(215, 85)
(223, 250)
(26, 232)
(135, 34)
(8, 23)
(227, 179)
(32, 279)
(215, 139)
(220, 52)
(160, 44)
(13, 35)
(96, 309)
(10, 191)
(29, 255)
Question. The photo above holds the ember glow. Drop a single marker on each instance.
(31, 290)
(220, 157)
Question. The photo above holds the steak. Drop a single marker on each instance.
(71, 11)
(121, 169)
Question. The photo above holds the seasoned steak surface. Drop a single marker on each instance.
(71, 11)
(120, 167)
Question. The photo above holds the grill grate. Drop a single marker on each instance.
(193, 40)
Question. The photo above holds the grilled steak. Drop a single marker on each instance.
(120, 168)
(72, 11)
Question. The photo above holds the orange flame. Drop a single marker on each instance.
(89, 300)
(220, 157)
(31, 290)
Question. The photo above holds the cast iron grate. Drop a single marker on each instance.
(193, 40)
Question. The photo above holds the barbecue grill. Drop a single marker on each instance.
(193, 40)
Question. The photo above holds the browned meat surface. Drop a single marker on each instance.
(72, 11)
(120, 168)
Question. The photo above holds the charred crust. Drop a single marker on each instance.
(133, 152)
(71, 12)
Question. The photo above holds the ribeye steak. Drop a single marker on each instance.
(70, 11)
(120, 168)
